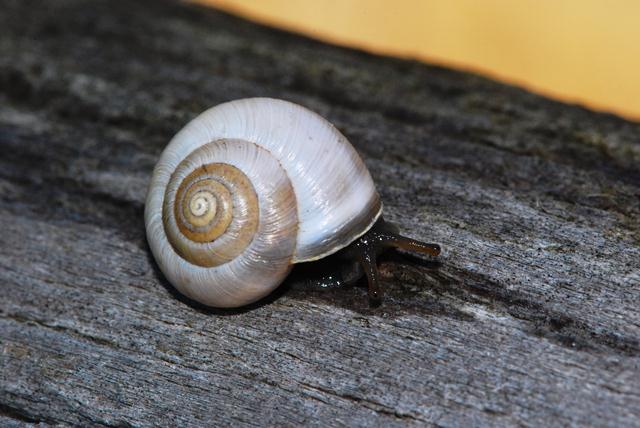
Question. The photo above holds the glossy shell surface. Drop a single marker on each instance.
(313, 196)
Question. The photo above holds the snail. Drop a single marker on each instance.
(253, 186)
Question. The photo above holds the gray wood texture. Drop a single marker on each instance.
(530, 317)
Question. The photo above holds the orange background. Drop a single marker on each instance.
(585, 51)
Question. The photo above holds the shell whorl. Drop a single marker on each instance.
(210, 210)
(223, 224)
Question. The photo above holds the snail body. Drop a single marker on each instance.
(248, 189)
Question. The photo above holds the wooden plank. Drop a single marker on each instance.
(530, 317)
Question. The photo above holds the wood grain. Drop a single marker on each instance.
(529, 318)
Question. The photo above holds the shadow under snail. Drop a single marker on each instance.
(253, 186)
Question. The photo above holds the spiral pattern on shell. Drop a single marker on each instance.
(210, 211)
(229, 215)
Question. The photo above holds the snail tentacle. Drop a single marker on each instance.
(381, 236)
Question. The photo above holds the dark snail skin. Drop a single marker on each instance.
(359, 259)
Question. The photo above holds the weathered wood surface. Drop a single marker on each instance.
(530, 318)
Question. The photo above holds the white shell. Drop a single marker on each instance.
(335, 195)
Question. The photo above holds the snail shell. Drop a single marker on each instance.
(246, 190)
